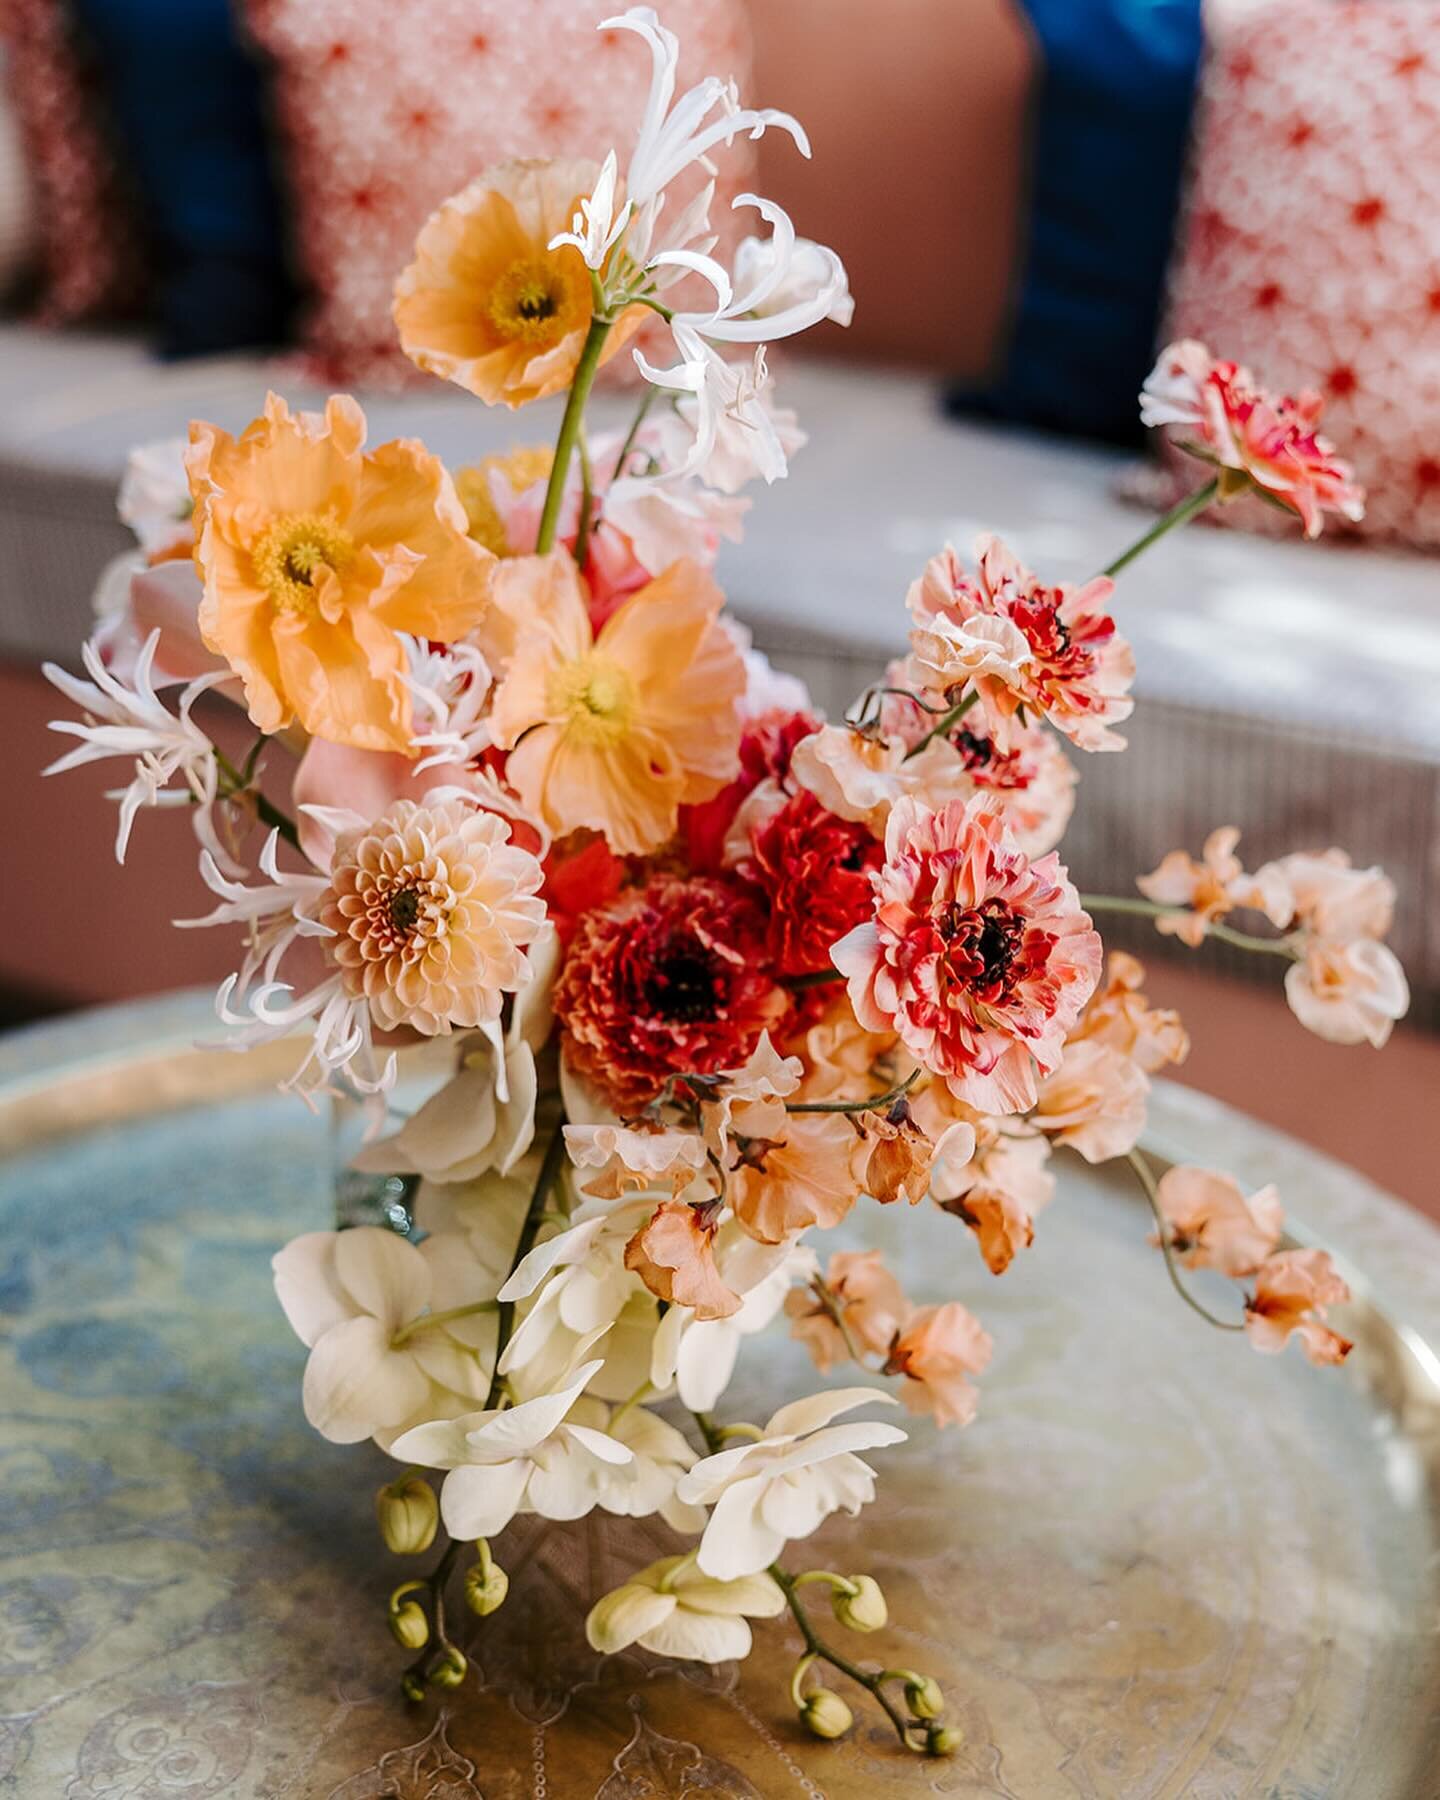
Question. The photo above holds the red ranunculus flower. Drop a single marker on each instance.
(672, 979)
(814, 871)
(766, 743)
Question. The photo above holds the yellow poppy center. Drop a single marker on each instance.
(533, 302)
(595, 697)
(292, 551)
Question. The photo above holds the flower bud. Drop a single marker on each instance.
(409, 1514)
(409, 1626)
(825, 1714)
(943, 1740)
(486, 1585)
(449, 1672)
(923, 1697)
(412, 1686)
(865, 1609)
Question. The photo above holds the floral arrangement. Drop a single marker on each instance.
(711, 974)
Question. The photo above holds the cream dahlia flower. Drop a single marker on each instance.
(430, 906)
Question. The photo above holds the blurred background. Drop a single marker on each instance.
(200, 198)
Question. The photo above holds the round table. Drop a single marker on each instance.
(1156, 1565)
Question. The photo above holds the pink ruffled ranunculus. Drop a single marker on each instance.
(1065, 661)
(1272, 440)
(978, 958)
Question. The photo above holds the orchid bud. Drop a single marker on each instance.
(450, 1671)
(486, 1583)
(412, 1686)
(943, 1740)
(825, 1714)
(409, 1515)
(924, 1698)
(409, 1626)
(862, 1610)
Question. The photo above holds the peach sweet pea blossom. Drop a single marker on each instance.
(940, 1347)
(1005, 1183)
(1268, 440)
(1331, 897)
(430, 908)
(1121, 1016)
(1292, 1290)
(1213, 1225)
(316, 555)
(1213, 887)
(1094, 1102)
(811, 1176)
(1348, 993)
(1069, 664)
(979, 959)
(674, 1255)
(618, 729)
(871, 1301)
(487, 303)
(612, 1160)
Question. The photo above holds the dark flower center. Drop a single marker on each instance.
(404, 909)
(684, 983)
(983, 946)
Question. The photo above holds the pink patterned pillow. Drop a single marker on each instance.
(90, 244)
(389, 106)
(1311, 247)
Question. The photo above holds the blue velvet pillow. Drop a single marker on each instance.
(1111, 117)
(188, 105)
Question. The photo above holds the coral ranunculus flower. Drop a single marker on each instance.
(315, 554)
(486, 303)
(667, 981)
(1270, 440)
(618, 729)
(978, 958)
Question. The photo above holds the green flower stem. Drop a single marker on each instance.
(1147, 1181)
(434, 1583)
(647, 400)
(1155, 909)
(240, 789)
(820, 978)
(426, 1320)
(587, 504)
(815, 1646)
(946, 724)
(544, 1181)
(1177, 515)
(874, 1103)
(585, 371)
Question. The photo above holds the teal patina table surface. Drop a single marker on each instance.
(1157, 1565)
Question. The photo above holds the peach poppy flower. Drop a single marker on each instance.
(315, 554)
(430, 908)
(810, 1176)
(870, 1298)
(1121, 1016)
(1348, 993)
(938, 1349)
(1292, 1290)
(1212, 1223)
(487, 303)
(1270, 440)
(1094, 1102)
(1212, 887)
(979, 959)
(674, 1255)
(616, 730)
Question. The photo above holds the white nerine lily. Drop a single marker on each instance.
(129, 720)
(526, 1458)
(450, 684)
(265, 1008)
(802, 1469)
